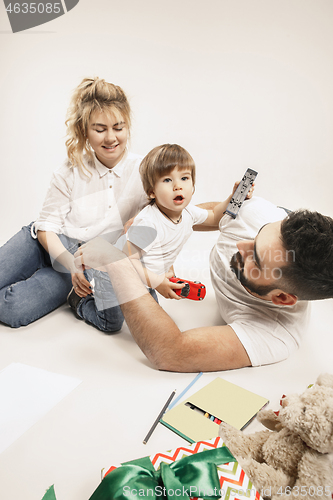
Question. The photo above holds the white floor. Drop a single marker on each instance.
(104, 420)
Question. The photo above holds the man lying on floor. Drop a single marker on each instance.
(265, 267)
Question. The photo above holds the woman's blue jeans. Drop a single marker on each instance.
(30, 288)
(101, 309)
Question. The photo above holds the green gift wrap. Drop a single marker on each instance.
(50, 494)
(205, 470)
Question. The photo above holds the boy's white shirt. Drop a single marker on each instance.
(159, 238)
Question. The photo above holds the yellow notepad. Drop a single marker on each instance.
(221, 399)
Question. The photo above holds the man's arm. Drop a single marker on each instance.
(211, 348)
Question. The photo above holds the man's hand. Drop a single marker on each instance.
(97, 254)
(249, 194)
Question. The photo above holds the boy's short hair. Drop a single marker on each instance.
(161, 161)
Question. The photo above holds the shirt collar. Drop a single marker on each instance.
(103, 170)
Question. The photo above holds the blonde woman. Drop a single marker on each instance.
(94, 193)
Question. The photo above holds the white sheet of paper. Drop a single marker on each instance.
(26, 395)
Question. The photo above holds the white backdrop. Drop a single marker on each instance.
(239, 83)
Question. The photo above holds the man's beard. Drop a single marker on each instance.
(237, 266)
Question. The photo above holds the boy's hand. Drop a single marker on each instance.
(127, 225)
(166, 287)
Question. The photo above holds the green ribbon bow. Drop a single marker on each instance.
(192, 476)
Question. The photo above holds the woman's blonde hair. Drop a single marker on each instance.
(93, 94)
(161, 161)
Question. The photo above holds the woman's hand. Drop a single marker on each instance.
(167, 287)
(81, 285)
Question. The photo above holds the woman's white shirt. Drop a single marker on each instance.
(85, 206)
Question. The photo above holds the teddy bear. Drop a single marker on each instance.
(293, 457)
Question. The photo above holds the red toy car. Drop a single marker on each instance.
(193, 290)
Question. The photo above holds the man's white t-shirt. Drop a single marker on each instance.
(268, 332)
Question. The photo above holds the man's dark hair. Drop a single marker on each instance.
(308, 237)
